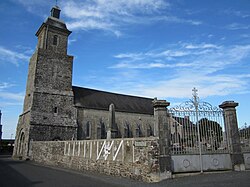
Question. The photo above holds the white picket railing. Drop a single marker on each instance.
(114, 149)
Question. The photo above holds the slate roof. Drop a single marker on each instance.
(54, 23)
(100, 100)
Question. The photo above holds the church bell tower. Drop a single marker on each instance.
(48, 112)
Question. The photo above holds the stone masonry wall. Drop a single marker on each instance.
(135, 158)
(122, 119)
(40, 132)
(22, 130)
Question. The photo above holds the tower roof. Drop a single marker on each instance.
(54, 21)
(55, 12)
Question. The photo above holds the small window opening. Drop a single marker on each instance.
(55, 40)
(138, 131)
(55, 110)
(150, 131)
(88, 130)
(103, 131)
(127, 131)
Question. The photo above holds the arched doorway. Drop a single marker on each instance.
(21, 144)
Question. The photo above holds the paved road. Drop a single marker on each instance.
(23, 173)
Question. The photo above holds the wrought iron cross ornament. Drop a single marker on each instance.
(195, 91)
(196, 98)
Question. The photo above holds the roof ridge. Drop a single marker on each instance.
(91, 98)
(112, 92)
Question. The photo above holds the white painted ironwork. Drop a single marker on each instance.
(98, 155)
(122, 150)
(197, 128)
(73, 151)
(245, 138)
(196, 105)
(118, 149)
(107, 149)
(90, 150)
(69, 149)
(84, 150)
(65, 148)
(79, 148)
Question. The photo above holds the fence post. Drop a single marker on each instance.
(162, 130)
(232, 134)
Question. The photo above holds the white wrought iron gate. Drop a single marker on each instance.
(244, 133)
(198, 140)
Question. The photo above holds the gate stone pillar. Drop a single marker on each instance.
(162, 130)
(232, 134)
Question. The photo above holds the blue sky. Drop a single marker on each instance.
(152, 48)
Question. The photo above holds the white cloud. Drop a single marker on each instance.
(180, 87)
(7, 104)
(237, 26)
(245, 35)
(176, 56)
(108, 15)
(210, 56)
(26, 50)
(9, 98)
(35, 7)
(5, 85)
(13, 57)
(197, 65)
(112, 15)
(149, 65)
(70, 41)
(12, 96)
(201, 46)
(238, 13)
(103, 8)
(174, 19)
(173, 53)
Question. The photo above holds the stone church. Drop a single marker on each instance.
(55, 110)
